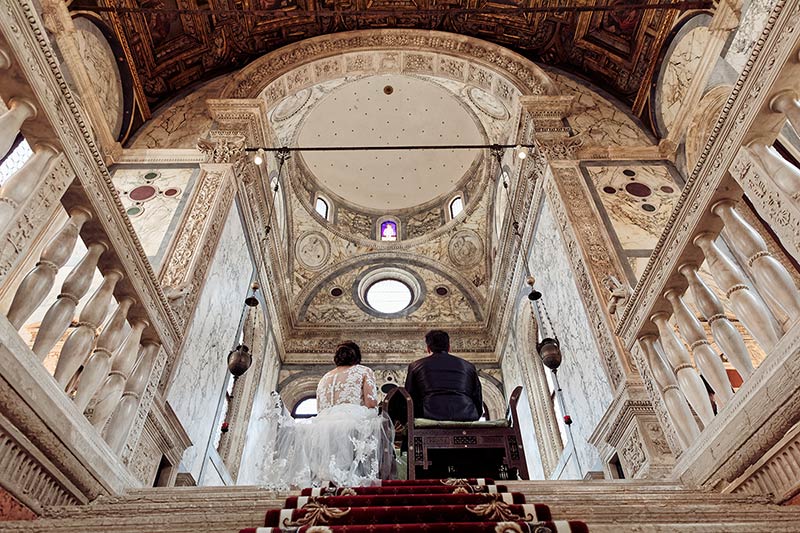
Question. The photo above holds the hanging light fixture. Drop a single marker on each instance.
(239, 360)
(252, 299)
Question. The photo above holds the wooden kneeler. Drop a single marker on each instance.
(425, 435)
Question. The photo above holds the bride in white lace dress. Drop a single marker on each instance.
(348, 443)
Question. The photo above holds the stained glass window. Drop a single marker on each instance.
(389, 231)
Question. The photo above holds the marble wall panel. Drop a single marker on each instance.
(181, 122)
(101, 65)
(261, 431)
(587, 393)
(154, 199)
(683, 59)
(635, 202)
(603, 120)
(754, 17)
(199, 377)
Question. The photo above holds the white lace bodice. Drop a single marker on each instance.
(353, 385)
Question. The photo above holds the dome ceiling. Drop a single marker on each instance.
(389, 110)
(169, 52)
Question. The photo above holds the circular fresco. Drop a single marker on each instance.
(289, 106)
(487, 103)
(312, 250)
(465, 248)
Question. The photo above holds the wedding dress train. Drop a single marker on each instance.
(346, 444)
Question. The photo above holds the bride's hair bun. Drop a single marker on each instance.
(347, 354)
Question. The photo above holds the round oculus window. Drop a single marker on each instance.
(389, 296)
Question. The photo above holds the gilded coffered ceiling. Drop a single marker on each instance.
(174, 44)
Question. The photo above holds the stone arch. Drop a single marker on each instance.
(522, 74)
(493, 396)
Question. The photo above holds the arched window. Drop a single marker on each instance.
(389, 230)
(321, 207)
(305, 408)
(456, 206)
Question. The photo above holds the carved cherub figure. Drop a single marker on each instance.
(619, 295)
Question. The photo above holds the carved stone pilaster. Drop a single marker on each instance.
(591, 261)
(189, 255)
(163, 435)
(630, 429)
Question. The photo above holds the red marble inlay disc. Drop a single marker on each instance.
(142, 193)
(638, 189)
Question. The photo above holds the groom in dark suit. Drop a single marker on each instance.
(443, 386)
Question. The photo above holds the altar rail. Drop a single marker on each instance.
(708, 226)
(126, 328)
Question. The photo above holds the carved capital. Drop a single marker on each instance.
(222, 150)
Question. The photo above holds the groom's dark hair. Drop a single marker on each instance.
(437, 340)
(347, 354)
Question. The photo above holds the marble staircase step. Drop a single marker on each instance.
(606, 506)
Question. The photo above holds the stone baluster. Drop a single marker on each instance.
(688, 378)
(788, 103)
(116, 431)
(674, 400)
(724, 332)
(19, 110)
(39, 281)
(96, 370)
(78, 345)
(748, 308)
(122, 364)
(785, 175)
(769, 275)
(24, 181)
(706, 358)
(57, 319)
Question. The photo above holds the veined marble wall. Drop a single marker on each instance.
(154, 199)
(601, 119)
(754, 17)
(587, 393)
(678, 69)
(101, 65)
(261, 431)
(635, 202)
(195, 391)
(181, 122)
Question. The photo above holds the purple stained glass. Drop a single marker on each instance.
(389, 231)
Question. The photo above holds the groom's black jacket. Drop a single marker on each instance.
(444, 387)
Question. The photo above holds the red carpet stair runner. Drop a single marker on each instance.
(425, 505)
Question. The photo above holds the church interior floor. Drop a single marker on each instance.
(603, 505)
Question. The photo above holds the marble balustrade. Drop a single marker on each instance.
(106, 352)
(721, 272)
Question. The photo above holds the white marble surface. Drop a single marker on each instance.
(261, 432)
(587, 393)
(157, 219)
(754, 16)
(180, 123)
(679, 72)
(199, 378)
(605, 123)
(101, 66)
(636, 227)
